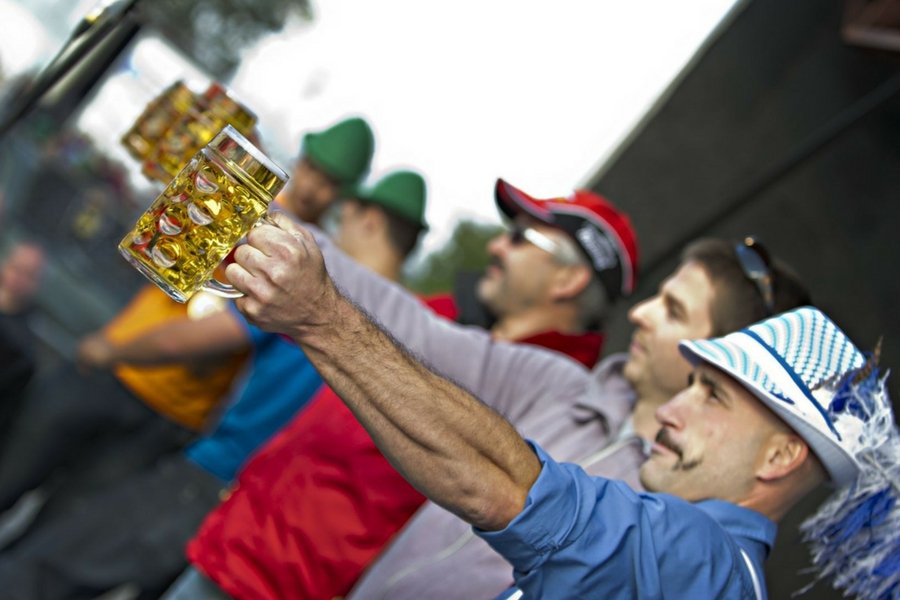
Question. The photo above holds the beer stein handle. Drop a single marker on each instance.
(226, 290)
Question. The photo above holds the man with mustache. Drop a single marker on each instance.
(335, 504)
(711, 293)
(572, 412)
(770, 412)
(664, 439)
(563, 302)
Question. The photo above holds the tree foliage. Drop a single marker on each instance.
(214, 32)
(466, 250)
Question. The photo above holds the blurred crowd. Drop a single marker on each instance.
(330, 434)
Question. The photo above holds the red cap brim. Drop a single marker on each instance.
(512, 201)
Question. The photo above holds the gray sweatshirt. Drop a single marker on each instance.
(575, 414)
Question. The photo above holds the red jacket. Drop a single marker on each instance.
(318, 503)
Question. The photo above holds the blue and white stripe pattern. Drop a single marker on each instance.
(737, 361)
(810, 344)
(809, 373)
(793, 362)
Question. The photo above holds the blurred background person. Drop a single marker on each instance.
(133, 531)
(20, 278)
(330, 162)
(151, 379)
(21, 273)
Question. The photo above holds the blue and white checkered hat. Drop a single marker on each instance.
(804, 368)
(794, 363)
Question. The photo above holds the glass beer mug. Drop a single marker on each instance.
(223, 191)
(156, 119)
(212, 111)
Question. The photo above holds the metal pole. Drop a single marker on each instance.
(87, 35)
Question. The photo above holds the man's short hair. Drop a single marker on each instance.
(404, 233)
(737, 301)
(593, 305)
(593, 302)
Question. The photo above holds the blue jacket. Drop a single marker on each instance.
(588, 537)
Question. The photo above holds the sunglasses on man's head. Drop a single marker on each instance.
(757, 267)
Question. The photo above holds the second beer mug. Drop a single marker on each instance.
(143, 137)
(211, 204)
(214, 109)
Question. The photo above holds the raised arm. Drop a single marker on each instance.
(453, 448)
(508, 377)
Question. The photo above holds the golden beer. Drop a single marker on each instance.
(202, 214)
(159, 115)
(214, 109)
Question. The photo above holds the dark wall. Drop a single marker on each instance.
(773, 81)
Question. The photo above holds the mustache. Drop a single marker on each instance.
(664, 439)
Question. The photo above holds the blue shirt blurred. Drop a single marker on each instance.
(281, 380)
(588, 537)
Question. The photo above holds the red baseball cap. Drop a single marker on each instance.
(603, 232)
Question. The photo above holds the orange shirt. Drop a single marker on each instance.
(184, 393)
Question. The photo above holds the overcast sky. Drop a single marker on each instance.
(537, 93)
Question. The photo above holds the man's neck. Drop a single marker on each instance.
(387, 269)
(644, 415)
(522, 325)
(382, 261)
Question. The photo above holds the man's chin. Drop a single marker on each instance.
(486, 291)
(632, 370)
(656, 473)
(648, 479)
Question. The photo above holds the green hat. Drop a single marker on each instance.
(343, 151)
(401, 192)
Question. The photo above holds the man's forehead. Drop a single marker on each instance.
(690, 286)
(306, 163)
(737, 392)
(717, 376)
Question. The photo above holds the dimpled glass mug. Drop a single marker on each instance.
(202, 214)
(211, 111)
(142, 139)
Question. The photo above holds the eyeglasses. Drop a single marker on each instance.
(757, 267)
(519, 234)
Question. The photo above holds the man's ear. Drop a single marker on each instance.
(570, 281)
(784, 454)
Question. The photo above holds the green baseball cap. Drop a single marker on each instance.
(401, 192)
(344, 150)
